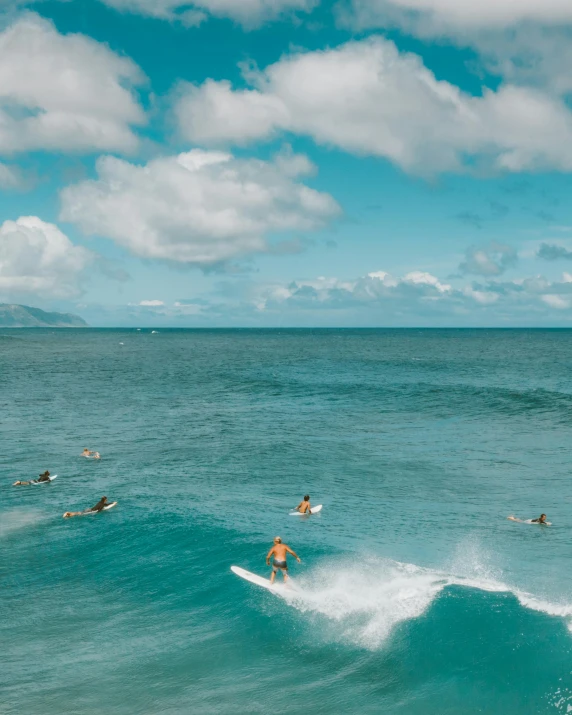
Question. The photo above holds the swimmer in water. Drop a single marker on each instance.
(279, 552)
(304, 506)
(89, 453)
(101, 504)
(45, 477)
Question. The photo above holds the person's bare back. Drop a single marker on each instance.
(279, 553)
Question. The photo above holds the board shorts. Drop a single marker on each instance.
(279, 565)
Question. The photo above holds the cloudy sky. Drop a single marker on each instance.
(288, 162)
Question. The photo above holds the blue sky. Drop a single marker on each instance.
(288, 162)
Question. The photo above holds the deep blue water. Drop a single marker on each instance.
(415, 594)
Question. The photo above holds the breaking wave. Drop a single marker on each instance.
(368, 600)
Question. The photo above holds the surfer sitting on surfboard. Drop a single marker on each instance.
(279, 552)
(45, 477)
(304, 506)
(100, 506)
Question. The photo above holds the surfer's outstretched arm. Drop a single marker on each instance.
(295, 555)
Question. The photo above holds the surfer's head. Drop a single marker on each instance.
(543, 517)
(277, 540)
(307, 497)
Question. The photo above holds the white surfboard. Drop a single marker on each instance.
(35, 481)
(260, 581)
(105, 508)
(313, 510)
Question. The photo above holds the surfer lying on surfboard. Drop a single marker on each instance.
(88, 453)
(279, 551)
(541, 520)
(45, 477)
(304, 506)
(100, 506)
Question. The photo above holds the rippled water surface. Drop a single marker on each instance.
(415, 594)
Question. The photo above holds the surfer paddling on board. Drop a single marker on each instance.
(88, 453)
(541, 520)
(279, 552)
(100, 506)
(304, 506)
(45, 477)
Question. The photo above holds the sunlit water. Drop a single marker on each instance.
(415, 594)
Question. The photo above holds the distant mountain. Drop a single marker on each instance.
(23, 316)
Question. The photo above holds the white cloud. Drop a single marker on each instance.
(64, 92)
(37, 258)
(460, 14)
(524, 41)
(248, 12)
(492, 259)
(556, 301)
(381, 298)
(201, 208)
(367, 98)
(416, 287)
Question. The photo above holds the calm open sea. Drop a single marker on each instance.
(415, 595)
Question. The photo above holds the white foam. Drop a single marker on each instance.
(367, 599)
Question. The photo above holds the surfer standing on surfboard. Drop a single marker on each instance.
(304, 506)
(100, 506)
(279, 551)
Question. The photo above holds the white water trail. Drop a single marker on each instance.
(17, 519)
(369, 597)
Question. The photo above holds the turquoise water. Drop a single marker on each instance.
(415, 594)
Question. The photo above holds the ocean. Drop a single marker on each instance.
(415, 595)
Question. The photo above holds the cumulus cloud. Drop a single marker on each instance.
(524, 42)
(200, 208)
(368, 98)
(64, 92)
(553, 252)
(37, 258)
(492, 259)
(248, 12)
